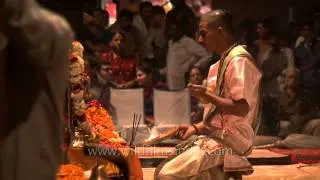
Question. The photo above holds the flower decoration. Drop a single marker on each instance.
(75, 79)
(102, 125)
(98, 116)
(96, 120)
(71, 172)
(77, 49)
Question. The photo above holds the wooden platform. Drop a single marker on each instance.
(266, 157)
(278, 172)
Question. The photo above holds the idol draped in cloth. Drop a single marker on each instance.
(231, 114)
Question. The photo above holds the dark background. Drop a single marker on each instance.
(257, 9)
(72, 11)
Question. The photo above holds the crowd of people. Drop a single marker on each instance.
(164, 50)
(155, 49)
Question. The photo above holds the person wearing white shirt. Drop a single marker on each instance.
(183, 52)
(156, 42)
(142, 22)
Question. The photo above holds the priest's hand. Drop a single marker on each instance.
(198, 91)
(186, 131)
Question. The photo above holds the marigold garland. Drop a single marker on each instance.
(71, 172)
(102, 125)
(98, 116)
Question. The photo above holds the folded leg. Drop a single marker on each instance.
(194, 163)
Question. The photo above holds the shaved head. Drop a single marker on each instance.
(219, 18)
(215, 31)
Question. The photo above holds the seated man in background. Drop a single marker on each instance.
(230, 118)
(307, 58)
(297, 112)
(101, 84)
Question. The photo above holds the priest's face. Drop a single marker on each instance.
(209, 36)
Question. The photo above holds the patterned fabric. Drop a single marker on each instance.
(123, 69)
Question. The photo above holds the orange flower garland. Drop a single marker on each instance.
(98, 116)
(71, 172)
(102, 125)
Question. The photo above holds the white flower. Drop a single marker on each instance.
(75, 79)
(77, 96)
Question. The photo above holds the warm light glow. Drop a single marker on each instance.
(112, 10)
(167, 7)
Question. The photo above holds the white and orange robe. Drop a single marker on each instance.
(231, 137)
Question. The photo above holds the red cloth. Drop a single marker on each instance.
(306, 156)
(123, 70)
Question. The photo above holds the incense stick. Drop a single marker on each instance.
(135, 127)
(132, 131)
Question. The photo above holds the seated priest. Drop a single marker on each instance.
(232, 98)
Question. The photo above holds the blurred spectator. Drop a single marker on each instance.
(269, 57)
(101, 18)
(272, 62)
(101, 84)
(183, 53)
(123, 69)
(195, 6)
(297, 111)
(142, 21)
(307, 56)
(96, 47)
(292, 33)
(285, 50)
(132, 5)
(34, 47)
(183, 14)
(156, 43)
(131, 45)
(91, 64)
(199, 7)
(96, 24)
(196, 76)
(146, 80)
(247, 27)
